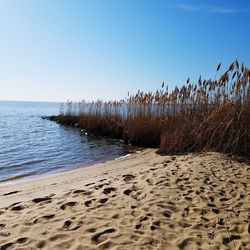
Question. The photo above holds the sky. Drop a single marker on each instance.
(89, 49)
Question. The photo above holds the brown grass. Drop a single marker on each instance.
(207, 115)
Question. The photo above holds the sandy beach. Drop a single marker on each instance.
(143, 201)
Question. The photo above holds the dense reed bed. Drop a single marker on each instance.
(211, 114)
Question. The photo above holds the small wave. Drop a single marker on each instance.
(122, 157)
(21, 164)
(16, 177)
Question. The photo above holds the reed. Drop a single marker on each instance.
(206, 115)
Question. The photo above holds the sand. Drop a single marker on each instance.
(144, 201)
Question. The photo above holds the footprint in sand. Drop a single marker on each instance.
(115, 216)
(81, 191)
(88, 203)
(103, 200)
(188, 198)
(128, 177)
(144, 218)
(160, 182)
(138, 226)
(248, 228)
(188, 243)
(155, 225)
(91, 230)
(152, 169)
(44, 218)
(38, 200)
(173, 172)
(16, 208)
(226, 241)
(6, 246)
(128, 192)
(224, 199)
(96, 237)
(149, 181)
(211, 205)
(109, 190)
(102, 180)
(22, 240)
(165, 163)
(13, 192)
(98, 186)
(71, 226)
(9, 244)
(185, 212)
(89, 184)
(68, 204)
(184, 224)
(41, 244)
(167, 214)
(216, 210)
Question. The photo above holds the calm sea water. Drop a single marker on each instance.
(32, 146)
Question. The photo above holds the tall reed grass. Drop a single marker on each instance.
(206, 115)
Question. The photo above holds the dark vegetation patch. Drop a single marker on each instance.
(211, 114)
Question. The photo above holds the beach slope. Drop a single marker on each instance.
(143, 201)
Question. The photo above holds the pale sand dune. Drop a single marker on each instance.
(144, 201)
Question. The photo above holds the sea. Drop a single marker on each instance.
(31, 146)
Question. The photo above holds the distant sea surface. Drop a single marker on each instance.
(32, 146)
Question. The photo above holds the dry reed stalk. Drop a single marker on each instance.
(209, 114)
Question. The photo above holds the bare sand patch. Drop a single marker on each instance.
(144, 201)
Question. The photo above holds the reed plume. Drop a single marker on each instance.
(207, 115)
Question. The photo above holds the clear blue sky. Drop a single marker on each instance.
(54, 50)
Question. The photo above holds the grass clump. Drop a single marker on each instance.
(207, 115)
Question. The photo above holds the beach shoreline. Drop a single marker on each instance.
(142, 201)
(30, 176)
(49, 179)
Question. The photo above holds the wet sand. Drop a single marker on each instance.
(144, 201)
